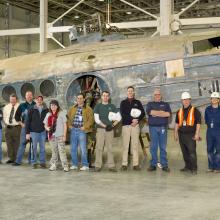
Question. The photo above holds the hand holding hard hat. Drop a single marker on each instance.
(135, 113)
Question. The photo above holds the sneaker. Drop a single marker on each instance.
(210, 170)
(184, 169)
(217, 171)
(43, 166)
(166, 169)
(159, 165)
(136, 168)
(73, 167)
(53, 167)
(34, 166)
(152, 168)
(16, 164)
(112, 169)
(84, 168)
(66, 169)
(124, 168)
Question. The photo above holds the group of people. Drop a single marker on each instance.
(33, 121)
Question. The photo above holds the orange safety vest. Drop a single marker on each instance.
(190, 117)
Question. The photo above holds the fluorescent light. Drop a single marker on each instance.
(128, 12)
(76, 16)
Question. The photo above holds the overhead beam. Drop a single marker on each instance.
(199, 21)
(43, 25)
(135, 24)
(12, 32)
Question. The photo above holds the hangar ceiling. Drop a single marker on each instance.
(119, 11)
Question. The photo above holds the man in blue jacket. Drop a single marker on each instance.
(158, 114)
(35, 130)
(212, 120)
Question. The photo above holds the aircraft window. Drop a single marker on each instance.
(27, 87)
(7, 91)
(206, 45)
(174, 68)
(47, 88)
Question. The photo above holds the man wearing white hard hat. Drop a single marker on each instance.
(106, 117)
(132, 113)
(158, 113)
(212, 120)
(187, 130)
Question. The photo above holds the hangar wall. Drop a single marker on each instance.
(12, 17)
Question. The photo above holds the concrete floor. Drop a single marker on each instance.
(43, 195)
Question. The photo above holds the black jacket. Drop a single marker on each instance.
(125, 109)
(34, 122)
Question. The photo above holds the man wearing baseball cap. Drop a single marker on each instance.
(187, 130)
(158, 113)
(212, 120)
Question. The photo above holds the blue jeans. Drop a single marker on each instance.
(22, 147)
(158, 138)
(78, 137)
(0, 145)
(213, 148)
(38, 138)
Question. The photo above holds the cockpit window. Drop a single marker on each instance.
(206, 45)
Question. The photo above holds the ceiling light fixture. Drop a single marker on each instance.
(128, 13)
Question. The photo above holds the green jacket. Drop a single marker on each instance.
(87, 114)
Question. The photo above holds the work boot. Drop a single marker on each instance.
(34, 166)
(97, 169)
(43, 166)
(136, 168)
(166, 169)
(152, 168)
(184, 169)
(124, 168)
(112, 169)
(194, 172)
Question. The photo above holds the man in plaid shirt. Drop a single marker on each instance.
(80, 122)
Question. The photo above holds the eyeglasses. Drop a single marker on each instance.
(156, 94)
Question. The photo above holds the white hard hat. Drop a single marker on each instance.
(112, 116)
(135, 113)
(185, 95)
(215, 95)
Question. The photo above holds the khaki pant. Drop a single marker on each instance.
(58, 146)
(104, 138)
(130, 133)
(12, 138)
